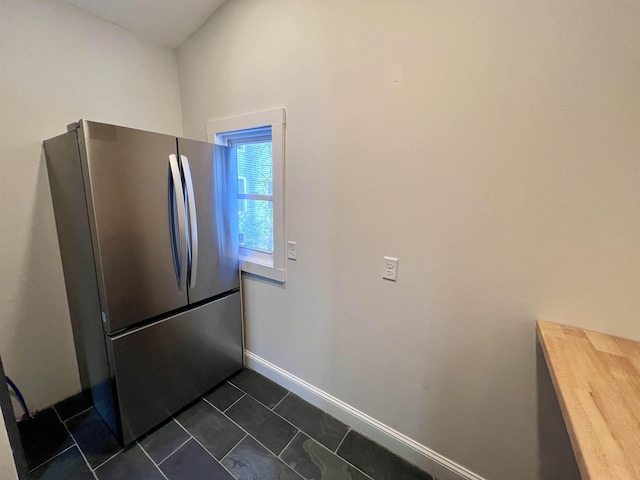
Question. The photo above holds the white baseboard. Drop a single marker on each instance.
(403, 446)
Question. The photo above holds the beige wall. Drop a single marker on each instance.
(58, 65)
(492, 146)
(7, 466)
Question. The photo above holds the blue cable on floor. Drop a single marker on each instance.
(20, 398)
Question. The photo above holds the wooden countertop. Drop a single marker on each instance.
(597, 380)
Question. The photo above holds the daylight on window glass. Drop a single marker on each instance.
(255, 201)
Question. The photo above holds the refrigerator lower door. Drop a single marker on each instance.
(162, 367)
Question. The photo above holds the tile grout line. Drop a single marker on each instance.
(289, 443)
(294, 426)
(55, 456)
(282, 400)
(338, 456)
(232, 448)
(282, 417)
(297, 428)
(276, 413)
(110, 458)
(149, 457)
(77, 445)
(73, 416)
(205, 448)
(258, 441)
(343, 438)
(174, 451)
(262, 404)
(243, 395)
(342, 441)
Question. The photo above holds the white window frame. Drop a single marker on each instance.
(266, 265)
(244, 184)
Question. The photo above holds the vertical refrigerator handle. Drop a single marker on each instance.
(176, 194)
(193, 220)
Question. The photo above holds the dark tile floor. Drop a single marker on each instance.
(247, 428)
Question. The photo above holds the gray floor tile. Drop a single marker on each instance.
(321, 426)
(315, 462)
(93, 437)
(73, 406)
(192, 462)
(224, 395)
(131, 463)
(67, 465)
(251, 461)
(267, 427)
(376, 461)
(259, 387)
(213, 430)
(163, 441)
(43, 437)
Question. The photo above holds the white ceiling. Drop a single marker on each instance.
(167, 22)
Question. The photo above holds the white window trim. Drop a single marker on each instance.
(264, 265)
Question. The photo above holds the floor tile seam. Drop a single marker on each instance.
(73, 444)
(110, 458)
(285, 419)
(247, 393)
(287, 446)
(249, 434)
(282, 400)
(172, 452)
(347, 461)
(232, 448)
(211, 403)
(84, 457)
(151, 459)
(310, 435)
(260, 402)
(265, 406)
(393, 454)
(336, 454)
(277, 456)
(342, 441)
(205, 448)
(234, 386)
(73, 416)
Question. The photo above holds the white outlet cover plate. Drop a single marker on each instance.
(390, 268)
(291, 251)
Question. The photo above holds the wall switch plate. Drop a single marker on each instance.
(390, 269)
(291, 251)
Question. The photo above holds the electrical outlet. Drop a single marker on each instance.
(390, 269)
(291, 251)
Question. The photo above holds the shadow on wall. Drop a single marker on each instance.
(554, 446)
(41, 356)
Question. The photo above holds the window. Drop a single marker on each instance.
(257, 141)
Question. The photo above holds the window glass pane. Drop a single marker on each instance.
(255, 167)
(256, 224)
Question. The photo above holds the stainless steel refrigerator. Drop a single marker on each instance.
(148, 236)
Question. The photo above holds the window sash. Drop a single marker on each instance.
(228, 131)
(255, 196)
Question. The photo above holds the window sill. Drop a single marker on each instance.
(266, 271)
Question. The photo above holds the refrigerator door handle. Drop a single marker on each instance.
(193, 220)
(176, 195)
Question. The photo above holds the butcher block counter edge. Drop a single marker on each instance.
(597, 380)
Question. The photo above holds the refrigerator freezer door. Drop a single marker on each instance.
(162, 367)
(126, 175)
(212, 178)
